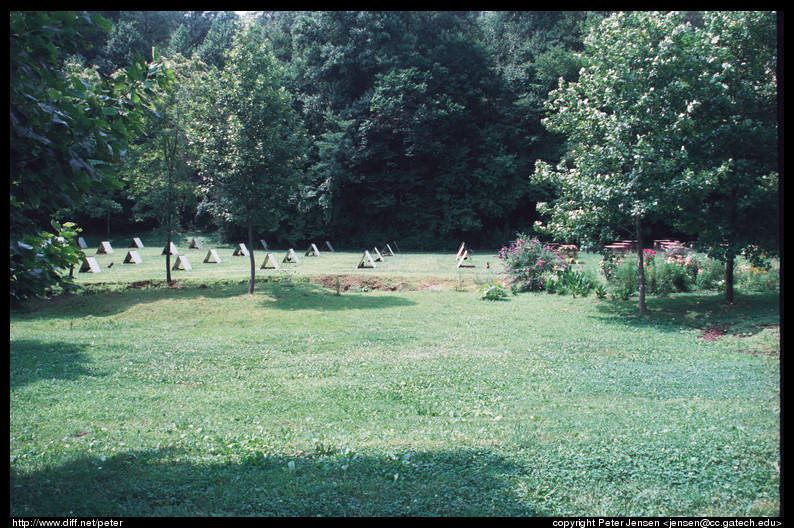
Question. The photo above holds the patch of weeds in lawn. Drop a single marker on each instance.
(493, 291)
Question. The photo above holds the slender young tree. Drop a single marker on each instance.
(733, 208)
(158, 174)
(626, 120)
(251, 139)
(158, 180)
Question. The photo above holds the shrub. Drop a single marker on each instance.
(624, 277)
(600, 291)
(528, 262)
(709, 273)
(675, 272)
(570, 281)
(609, 264)
(679, 272)
(753, 279)
(40, 264)
(758, 274)
(669, 277)
(621, 293)
(493, 291)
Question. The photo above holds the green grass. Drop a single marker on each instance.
(407, 265)
(414, 398)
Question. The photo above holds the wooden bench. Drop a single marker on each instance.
(671, 246)
(570, 251)
(619, 248)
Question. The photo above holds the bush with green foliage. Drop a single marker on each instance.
(609, 264)
(754, 279)
(68, 131)
(39, 263)
(759, 272)
(676, 272)
(528, 262)
(570, 281)
(623, 278)
(493, 291)
(600, 291)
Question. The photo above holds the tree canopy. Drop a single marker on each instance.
(657, 126)
(420, 123)
(421, 126)
(626, 120)
(250, 139)
(68, 133)
(733, 209)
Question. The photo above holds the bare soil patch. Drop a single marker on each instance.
(715, 331)
(348, 282)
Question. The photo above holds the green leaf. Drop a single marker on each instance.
(134, 73)
(101, 22)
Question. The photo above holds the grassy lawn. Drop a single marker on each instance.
(404, 395)
(439, 266)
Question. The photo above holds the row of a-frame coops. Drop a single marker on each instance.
(181, 261)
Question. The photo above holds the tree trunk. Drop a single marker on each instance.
(729, 263)
(640, 267)
(251, 259)
(168, 258)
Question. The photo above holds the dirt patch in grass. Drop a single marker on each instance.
(348, 282)
(758, 346)
(103, 287)
(715, 331)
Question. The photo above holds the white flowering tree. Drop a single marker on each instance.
(627, 120)
(734, 143)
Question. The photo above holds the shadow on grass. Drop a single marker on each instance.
(280, 295)
(32, 360)
(748, 315)
(458, 483)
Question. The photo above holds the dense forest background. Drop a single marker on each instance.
(424, 127)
